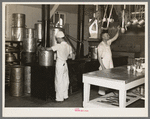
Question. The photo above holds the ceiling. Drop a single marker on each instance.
(65, 7)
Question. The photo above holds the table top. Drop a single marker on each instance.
(118, 73)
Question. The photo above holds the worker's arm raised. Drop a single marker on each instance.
(116, 36)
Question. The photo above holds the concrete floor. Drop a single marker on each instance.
(75, 100)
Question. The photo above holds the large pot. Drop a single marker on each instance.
(16, 80)
(29, 33)
(93, 52)
(16, 89)
(46, 58)
(18, 20)
(17, 72)
(29, 45)
(38, 31)
(17, 34)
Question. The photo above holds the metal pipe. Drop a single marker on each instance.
(46, 25)
(80, 31)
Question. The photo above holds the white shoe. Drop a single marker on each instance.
(101, 92)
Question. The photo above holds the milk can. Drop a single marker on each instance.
(18, 20)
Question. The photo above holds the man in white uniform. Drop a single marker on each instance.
(105, 55)
(64, 50)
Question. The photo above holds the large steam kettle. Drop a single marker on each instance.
(46, 57)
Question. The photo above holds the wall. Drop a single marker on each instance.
(130, 42)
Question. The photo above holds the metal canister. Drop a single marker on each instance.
(18, 20)
(16, 80)
(17, 34)
(16, 89)
(46, 58)
(17, 73)
(93, 52)
(27, 79)
(29, 45)
(38, 31)
(29, 33)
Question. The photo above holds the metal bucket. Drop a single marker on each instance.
(27, 79)
(18, 20)
(93, 52)
(28, 57)
(17, 73)
(46, 58)
(16, 80)
(29, 33)
(29, 45)
(17, 34)
(38, 31)
(16, 89)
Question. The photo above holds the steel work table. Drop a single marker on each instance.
(118, 78)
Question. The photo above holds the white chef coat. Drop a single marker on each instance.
(104, 52)
(61, 72)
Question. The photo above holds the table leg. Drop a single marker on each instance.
(86, 94)
(122, 98)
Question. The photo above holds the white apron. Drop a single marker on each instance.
(61, 80)
(107, 58)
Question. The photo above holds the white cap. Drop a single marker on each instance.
(60, 34)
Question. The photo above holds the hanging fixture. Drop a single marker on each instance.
(141, 20)
(129, 20)
(108, 21)
(123, 20)
(134, 20)
(104, 17)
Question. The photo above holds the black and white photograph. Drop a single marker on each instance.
(75, 59)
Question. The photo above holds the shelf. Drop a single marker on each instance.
(13, 41)
(96, 103)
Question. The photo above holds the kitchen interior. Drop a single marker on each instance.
(30, 72)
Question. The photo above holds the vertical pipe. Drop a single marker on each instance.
(82, 38)
(80, 31)
(46, 25)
